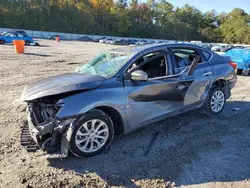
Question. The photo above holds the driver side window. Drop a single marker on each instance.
(154, 64)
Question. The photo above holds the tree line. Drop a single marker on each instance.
(133, 18)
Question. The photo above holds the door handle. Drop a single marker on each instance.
(207, 73)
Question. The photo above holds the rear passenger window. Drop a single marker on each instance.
(183, 58)
(206, 55)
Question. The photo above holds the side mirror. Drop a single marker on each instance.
(139, 75)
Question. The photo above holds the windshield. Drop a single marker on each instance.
(106, 64)
(6, 34)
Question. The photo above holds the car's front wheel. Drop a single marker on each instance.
(2, 42)
(92, 134)
(215, 101)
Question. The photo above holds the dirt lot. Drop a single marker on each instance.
(189, 150)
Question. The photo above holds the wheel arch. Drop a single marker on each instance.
(115, 116)
(221, 83)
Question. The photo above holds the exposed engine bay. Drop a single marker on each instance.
(44, 128)
(42, 110)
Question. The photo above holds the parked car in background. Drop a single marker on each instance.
(109, 41)
(150, 41)
(240, 47)
(10, 37)
(206, 45)
(122, 90)
(196, 42)
(219, 48)
(86, 39)
(160, 41)
(101, 40)
(242, 58)
(229, 47)
(132, 42)
(122, 42)
(53, 37)
(141, 42)
(14, 31)
(97, 38)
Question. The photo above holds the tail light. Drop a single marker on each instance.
(234, 65)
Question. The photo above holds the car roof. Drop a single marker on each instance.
(14, 32)
(152, 47)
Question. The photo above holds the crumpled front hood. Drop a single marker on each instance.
(60, 84)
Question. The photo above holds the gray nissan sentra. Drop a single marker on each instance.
(122, 90)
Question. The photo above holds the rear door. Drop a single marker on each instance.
(202, 75)
(20, 37)
(160, 95)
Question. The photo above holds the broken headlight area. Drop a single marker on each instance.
(44, 128)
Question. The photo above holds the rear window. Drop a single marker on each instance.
(206, 55)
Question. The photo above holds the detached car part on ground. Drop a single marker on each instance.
(242, 58)
(123, 90)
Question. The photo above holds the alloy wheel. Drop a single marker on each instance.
(217, 101)
(92, 135)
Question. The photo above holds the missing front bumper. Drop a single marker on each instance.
(52, 137)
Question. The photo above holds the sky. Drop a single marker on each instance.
(218, 5)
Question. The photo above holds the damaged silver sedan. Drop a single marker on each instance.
(122, 90)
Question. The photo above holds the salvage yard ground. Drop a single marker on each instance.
(190, 150)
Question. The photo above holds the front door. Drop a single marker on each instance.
(160, 95)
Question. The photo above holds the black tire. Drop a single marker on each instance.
(239, 71)
(93, 114)
(2, 42)
(27, 42)
(207, 109)
(36, 44)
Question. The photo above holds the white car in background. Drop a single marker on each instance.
(109, 41)
(196, 42)
(219, 48)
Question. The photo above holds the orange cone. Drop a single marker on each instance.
(58, 39)
(19, 46)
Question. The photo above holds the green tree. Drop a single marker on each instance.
(235, 28)
(153, 19)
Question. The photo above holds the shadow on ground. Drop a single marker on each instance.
(41, 45)
(35, 54)
(187, 149)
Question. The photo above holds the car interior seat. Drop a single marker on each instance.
(155, 68)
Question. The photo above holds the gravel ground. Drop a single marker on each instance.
(190, 150)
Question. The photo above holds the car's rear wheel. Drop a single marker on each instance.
(2, 42)
(239, 71)
(27, 42)
(92, 134)
(215, 102)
